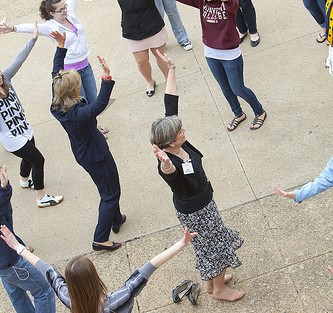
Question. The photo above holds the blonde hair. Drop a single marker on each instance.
(165, 130)
(86, 289)
(4, 86)
(66, 88)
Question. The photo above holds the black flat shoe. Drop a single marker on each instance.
(150, 93)
(181, 290)
(98, 247)
(193, 295)
(116, 228)
(255, 43)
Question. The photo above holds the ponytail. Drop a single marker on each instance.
(46, 7)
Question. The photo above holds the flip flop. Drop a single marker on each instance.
(321, 38)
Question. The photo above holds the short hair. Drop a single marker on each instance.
(165, 130)
(46, 7)
(85, 287)
(66, 88)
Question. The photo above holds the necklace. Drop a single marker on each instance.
(181, 153)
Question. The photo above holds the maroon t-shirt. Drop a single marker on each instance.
(218, 22)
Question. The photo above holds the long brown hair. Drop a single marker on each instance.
(66, 87)
(4, 86)
(46, 6)
(85, 288)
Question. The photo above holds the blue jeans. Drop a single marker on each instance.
(88, 87)
(317, 10)
(23, 277)
(229, 75)
(246, 17)
(170, 8)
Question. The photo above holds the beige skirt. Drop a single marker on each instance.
(154, 41)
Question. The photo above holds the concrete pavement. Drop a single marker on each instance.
(287, 246)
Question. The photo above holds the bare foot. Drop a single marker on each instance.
(228, 294)
(228, 278)
(210, 287)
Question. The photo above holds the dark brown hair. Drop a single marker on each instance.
(46, 6)
(86, 289)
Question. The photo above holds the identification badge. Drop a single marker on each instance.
(187, 167)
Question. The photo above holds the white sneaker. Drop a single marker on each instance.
(187, 45)
(48, 200)
(27, 184)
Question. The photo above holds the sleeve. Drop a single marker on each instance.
(12, 69)
(44, 29)
(171, 104)
(320, 184)
(56, 280)
(71, 5)
(133, 286)
(5, 196)
(98, 106)
(58, 61)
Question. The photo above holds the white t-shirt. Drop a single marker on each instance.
(15, 130)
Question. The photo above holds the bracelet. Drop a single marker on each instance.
(106, 77)
(13, 28)
(172, 67)
(20, 250)
(168, 169)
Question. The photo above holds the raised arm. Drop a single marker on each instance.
(12, 69)
(59, 57)
(169, 253)
(170, 96)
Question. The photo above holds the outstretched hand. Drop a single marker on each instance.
(3, 176)
(104, 65)
(9, 237)
(4, 28)
(166, 59)
(160, 154)
(59, 38)
(187, 237)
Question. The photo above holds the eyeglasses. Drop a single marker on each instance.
(62, 10)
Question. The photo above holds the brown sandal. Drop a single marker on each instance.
(234, 123)
(258, 121)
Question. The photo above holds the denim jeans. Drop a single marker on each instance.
(88, 87)
(170, 8)
(23, 277)
(246, 17)
(229, 75)
(317, 10)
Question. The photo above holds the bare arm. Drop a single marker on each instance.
(169, 253)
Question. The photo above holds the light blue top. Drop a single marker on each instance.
(320, 184)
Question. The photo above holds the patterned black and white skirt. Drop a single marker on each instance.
(215, 244)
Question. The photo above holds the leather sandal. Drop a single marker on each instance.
(258, 121)
(234, 123)
(193, 295)
(181, 290)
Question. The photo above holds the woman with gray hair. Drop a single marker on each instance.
(180, 165)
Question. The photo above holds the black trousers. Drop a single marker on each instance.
(246, 17)
(32, 161)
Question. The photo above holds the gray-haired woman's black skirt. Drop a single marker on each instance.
(215, 244)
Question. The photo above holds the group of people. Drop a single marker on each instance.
(76, 105)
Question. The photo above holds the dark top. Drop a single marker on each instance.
(140, 19)
(218, 23)
(8, 256)
(191, 192)
(87, 142)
